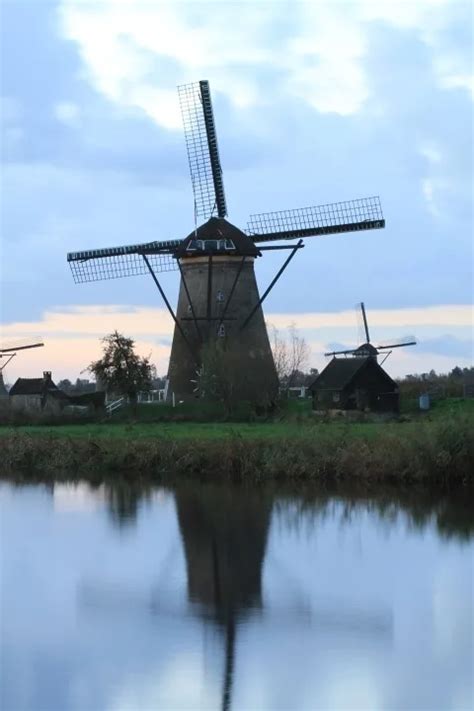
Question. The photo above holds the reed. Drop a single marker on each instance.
(436, 453)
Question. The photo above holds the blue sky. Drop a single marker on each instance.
(314, 102)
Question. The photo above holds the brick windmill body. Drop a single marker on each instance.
(211, 321)
(219, 324)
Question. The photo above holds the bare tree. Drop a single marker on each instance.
(289, 354)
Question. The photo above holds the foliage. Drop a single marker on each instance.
(81, 386)
(121, 370)
(438, 385)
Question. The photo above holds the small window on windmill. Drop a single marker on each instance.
(336, 397)
(190, 308)
(221, 331)
(220, 296)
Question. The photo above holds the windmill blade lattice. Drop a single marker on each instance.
(348, 216)
(117, 262)
(397, 345)
(203, 152)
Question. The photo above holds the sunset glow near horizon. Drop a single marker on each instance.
(314, 103)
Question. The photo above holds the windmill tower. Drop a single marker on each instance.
(219, 306)
(367, 349)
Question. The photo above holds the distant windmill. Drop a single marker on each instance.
(367, 349)
(10, 353)
(219, 304)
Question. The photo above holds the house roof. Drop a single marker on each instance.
(32, 386)
(217, 228)
(338, 373)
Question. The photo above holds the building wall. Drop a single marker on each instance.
(26, 403)
(381, 394)
(53, 406)
(36, 404)
(247, 353)
(327, 399)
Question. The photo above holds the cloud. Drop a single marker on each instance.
(134, 52)
(72, 336)
(108, 173)
(449, 315)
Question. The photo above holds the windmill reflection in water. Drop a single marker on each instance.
(224, 537)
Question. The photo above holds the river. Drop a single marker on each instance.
(128, 599)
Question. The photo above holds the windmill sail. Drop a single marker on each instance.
(366, 327)
(348, 216)
(203, 152)
(117, 262)
(397, 345)
(20, 348)
(367, 349)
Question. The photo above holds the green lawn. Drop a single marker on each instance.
(192, 430)
(298, 422)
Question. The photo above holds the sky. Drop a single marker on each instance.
(314, 103)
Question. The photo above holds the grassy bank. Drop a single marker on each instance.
(438, 452)
(294, 419)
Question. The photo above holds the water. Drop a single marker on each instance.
(206, 598)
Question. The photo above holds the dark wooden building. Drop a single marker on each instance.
(356, 383)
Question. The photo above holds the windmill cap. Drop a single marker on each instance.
(366, 349)
(217, 236)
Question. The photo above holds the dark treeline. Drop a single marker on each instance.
(307, 505)
(452, 384)
(80, 387)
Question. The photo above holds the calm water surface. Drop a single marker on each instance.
(204, 598)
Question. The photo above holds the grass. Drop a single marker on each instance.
(429, 449)
(437, 454)
(294, 421)
(196, 430)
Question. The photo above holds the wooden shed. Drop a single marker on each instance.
(356, 383)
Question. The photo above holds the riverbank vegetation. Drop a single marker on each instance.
(436, 450)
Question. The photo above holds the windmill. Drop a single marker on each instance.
(367, 349)
(219, 305)
(9, 354)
